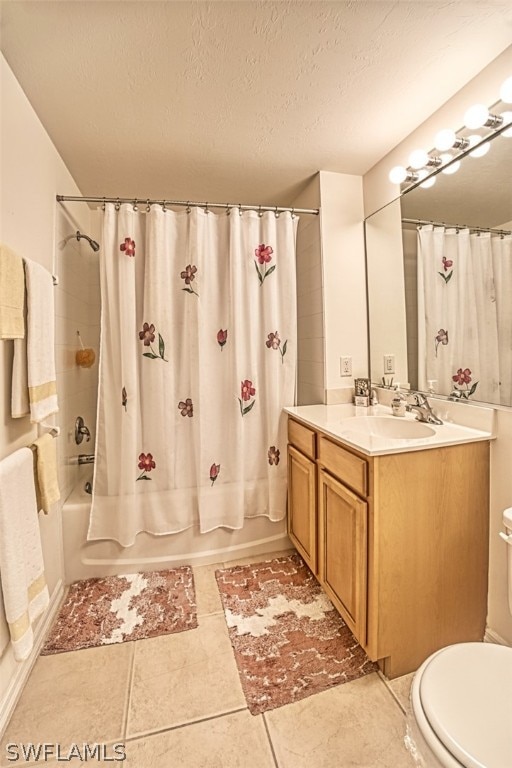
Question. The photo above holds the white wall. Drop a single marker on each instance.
(32, 174)
(379, 191)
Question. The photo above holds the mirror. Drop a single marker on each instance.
(439, 281)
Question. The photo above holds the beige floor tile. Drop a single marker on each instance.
(401, 688)
(76, 697)
(259, 558)
(184, 677)
(238, 740)
(356, 725)
(207, 592)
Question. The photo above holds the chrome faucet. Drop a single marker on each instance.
(416, 401)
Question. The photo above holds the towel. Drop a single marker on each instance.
(47, 484)
(21, 558)
(39, 360)
(12, 295)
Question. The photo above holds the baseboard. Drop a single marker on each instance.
(492, 637)
(20, 677)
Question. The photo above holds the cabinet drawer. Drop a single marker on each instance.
(352, 470)
(302, 438)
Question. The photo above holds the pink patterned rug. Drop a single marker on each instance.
(289, 641)
(121, 608)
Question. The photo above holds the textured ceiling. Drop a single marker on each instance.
(239, 101)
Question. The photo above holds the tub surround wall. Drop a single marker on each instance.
(379, 191)
(32, 174)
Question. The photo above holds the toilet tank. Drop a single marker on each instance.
(507, 522)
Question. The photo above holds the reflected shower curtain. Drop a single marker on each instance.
(197, 360)
(464, 316)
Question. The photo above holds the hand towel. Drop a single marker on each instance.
(12, 295)
(47, 484)
(21, 558)
(40, 358)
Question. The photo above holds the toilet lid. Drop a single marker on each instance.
(466, 695)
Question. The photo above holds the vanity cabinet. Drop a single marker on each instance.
(399, 542)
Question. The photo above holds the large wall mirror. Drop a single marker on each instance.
(439, 274)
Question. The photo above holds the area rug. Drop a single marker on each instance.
(117, 609)
(288, 640)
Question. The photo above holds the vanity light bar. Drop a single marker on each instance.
(422, 162)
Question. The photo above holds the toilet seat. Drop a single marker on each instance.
(462, 701)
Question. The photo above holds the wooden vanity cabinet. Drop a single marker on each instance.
(302, 516)
(401, 543)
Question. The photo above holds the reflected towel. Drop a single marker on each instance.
(12, 294)
(21, 558)
(40, 350)
(47, 483)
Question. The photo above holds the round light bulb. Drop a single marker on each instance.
(445, 139)
(481, 150)
(507, 118)
(398, 174)
(506, 91)
(418, 159)
(453, 168)
(428, 182)
(476, 116)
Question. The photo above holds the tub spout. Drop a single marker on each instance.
(86, 458)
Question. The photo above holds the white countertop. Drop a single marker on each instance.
(475, 423)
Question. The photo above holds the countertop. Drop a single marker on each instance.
(472, 424)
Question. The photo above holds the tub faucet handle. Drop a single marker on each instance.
(81, 431)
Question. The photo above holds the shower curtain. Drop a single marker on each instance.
(464, 315)
(197, 360)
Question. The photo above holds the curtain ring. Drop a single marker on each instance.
(135, 206)
(188, 206)
(104, 206)
(118, 204)
(228, 209)
(148, 207)
(276, 214)
(260, 213)
(164, 209)
(206, 208)
(293, 213)
(239, 209)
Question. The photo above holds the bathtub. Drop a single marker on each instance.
(92, 559)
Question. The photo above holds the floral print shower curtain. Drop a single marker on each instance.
(197, 361)
(464, 315)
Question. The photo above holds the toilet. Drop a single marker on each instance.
(461, 702)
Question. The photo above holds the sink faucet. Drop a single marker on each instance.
(416, 401)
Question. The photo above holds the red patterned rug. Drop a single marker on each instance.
(289, 641)
(121, 608)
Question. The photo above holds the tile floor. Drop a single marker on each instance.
(175, 701)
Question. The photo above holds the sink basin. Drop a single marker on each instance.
(387, 426)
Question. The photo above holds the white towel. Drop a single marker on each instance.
(39, 358)
(12, 295)
(21, 558)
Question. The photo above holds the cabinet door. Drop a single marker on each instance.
(302, 505)
(343, 547)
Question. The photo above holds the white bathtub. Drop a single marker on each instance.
(89, 559)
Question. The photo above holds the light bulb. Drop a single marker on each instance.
(476, 116)
(481, 150)
(453, 168)
(428, 182)
(445, 139)
(398, 174)
(507, 118)
(418, 159)
(506, 91)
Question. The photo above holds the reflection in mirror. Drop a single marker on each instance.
(439, 271)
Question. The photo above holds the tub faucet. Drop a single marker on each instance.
(416, 401)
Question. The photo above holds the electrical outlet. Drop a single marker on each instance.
(345, 366)
(389, 363)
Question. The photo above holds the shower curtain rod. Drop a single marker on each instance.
(144, 201)
(456, 226)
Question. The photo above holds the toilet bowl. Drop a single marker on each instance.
(461, 701)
